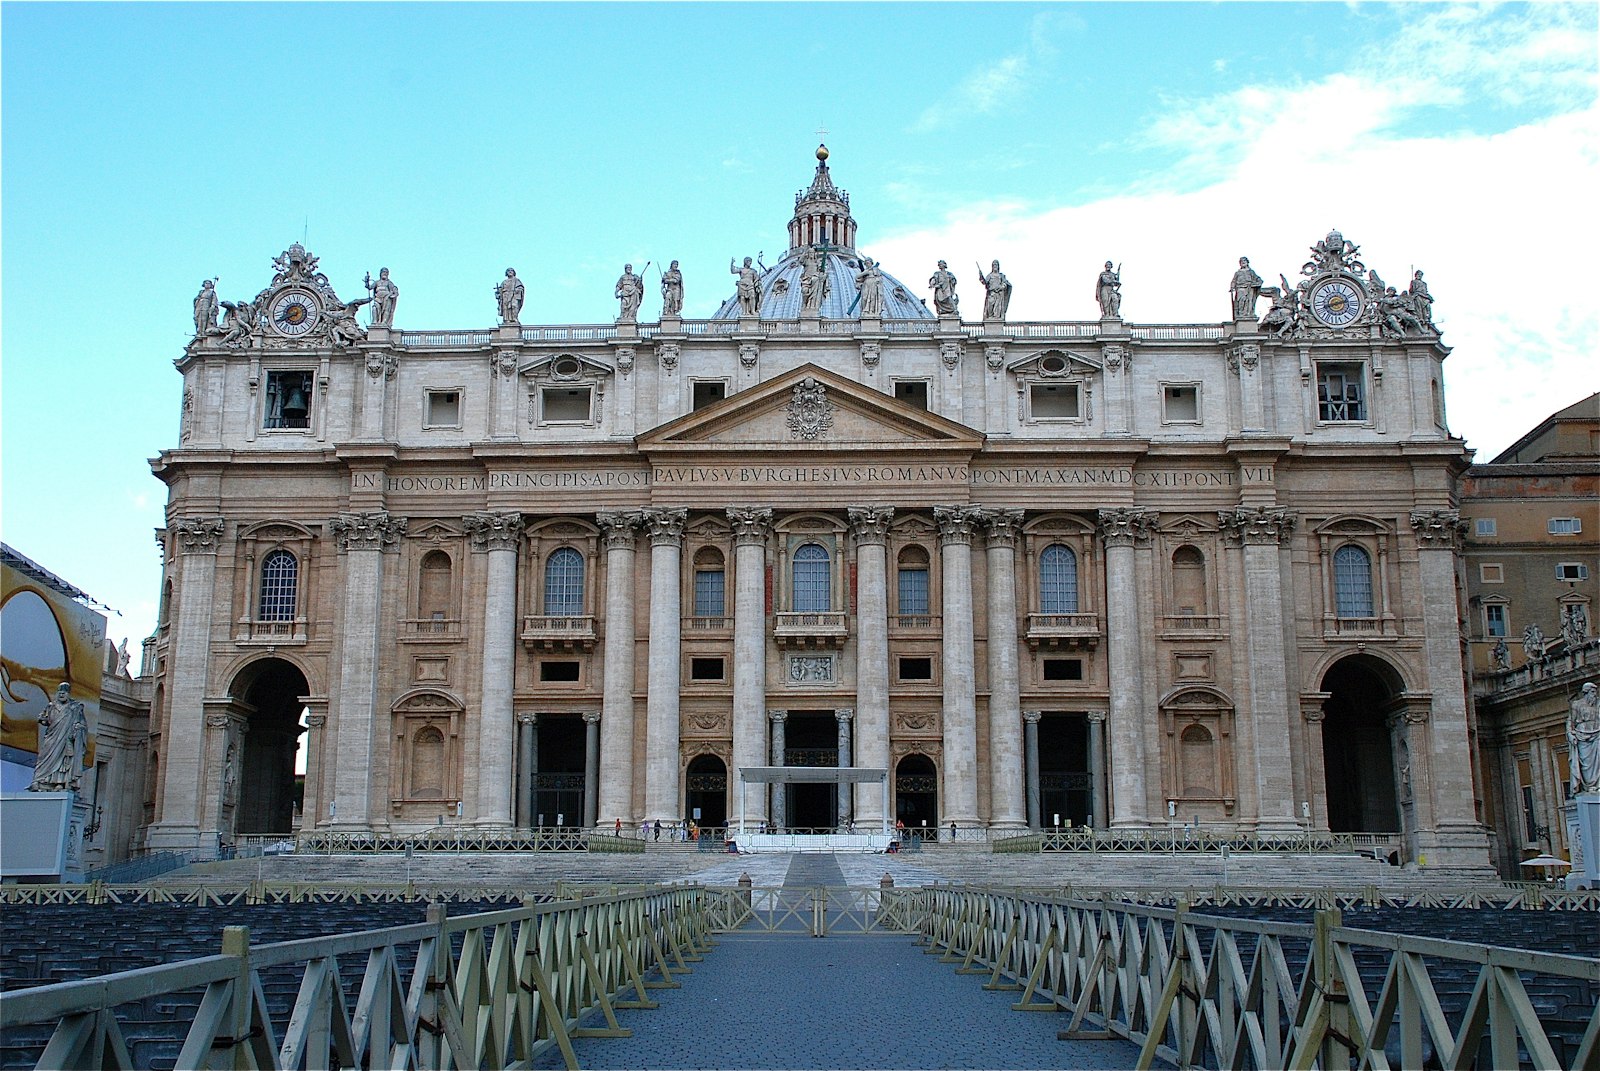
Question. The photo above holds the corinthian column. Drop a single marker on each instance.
(870, 526)
(1122, 530)
(500, 535)
(1006, 780)
(1261, 530)
(661, 795)
(616, 721)
(752, 528)
(196, 540)
(362, 538)
(960, 795)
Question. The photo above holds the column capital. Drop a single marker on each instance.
(618, 529)
(367, 531)
(1032, 716)
(665, 525)
(1095, 715)
(1001, 526)
(1124, 526)
(778, 715)
(217, 721)
(1257, 525)
(844, 714)
(592, 717)
(198, 535)
(752, 525)
(869, 524)
(316, 721)
(1438, 529)
(527, 717)
(955, 523)
(494, 531)
(1311, 706)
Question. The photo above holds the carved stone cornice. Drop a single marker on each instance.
(1002, 526)
(1438, 529)
(665, 525)
(592, 717)
(1032, 717)
(1125, 526)
(1257, 525)
(1245, 355)
(869, 525)
(494, 531)
(752, 526)
(366, 531)
(617, 530)
(667, 354)
(197, 534)
(955, 523)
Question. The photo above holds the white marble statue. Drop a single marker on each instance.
(630, 292)
(1421, 299)
(205, 309)
(63, 736)
(749, 287)
(230, 775)
(238, 322)
(1533, 643)
(1574, 624)
(997, 292)
(870, 281)
(943, 284)
(671, 291)
(343, 328)
(1583, 741)
(509, 295)
(385, 295)
(1500, 653)
(1246, 289)
(1108, 292)
(813, 281)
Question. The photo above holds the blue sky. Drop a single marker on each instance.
(146, 147)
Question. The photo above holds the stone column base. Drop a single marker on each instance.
(1453, 846)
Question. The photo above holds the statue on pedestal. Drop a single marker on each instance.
(1574, 624)
(813, 281)
(1108, 292)
(749, 287)
(63, 737)
(385, 295)
(1421, 300)
(870, 281)
(509, 296)
(1583, 741)
(671, 292)
(997, 292)
(943, 284)
(1246, 289)
(1533, 643)
(205, 309)
(630, 292)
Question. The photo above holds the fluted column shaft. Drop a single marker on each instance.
(780, 792)
(662, 798)
(1030, 724)
(870, 526)
(500, 535)
(752, 528)
(591, 768)
(959, 799)
(616, 704)
(845, 813)
(1122, 529)
(1006, 776)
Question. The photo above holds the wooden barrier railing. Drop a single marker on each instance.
(1213, 992)
(487, 990)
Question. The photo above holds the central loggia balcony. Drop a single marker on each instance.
(546, 632)
(810, 629)
(1064, 630)
(290, 632)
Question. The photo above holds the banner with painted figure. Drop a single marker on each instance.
(47, 638)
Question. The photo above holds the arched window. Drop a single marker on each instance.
(913, 587)
(710, 584)
(433, 587)
(427, 764)
(563, 584)
(1058, 580)
(813, 589)
(1189, 581)
(280, 574)
(1352, 582)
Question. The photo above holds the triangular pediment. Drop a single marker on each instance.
(810, 409)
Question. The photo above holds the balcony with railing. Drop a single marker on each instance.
(712, 627)
(1359, 628)
(1192, 626)
(914, 624)
(438, 629)
(1063, 630)
(557, 632)
(810, 629)
(271, 633)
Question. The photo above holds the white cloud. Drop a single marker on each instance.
(992, 85)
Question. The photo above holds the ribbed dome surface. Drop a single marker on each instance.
(780, 293)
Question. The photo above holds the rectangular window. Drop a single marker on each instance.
(710, 593)
(1494, 620)
(705, 669)
(916, 669)
(566, 405)
(913, 392)
(1564, 526)
(444, 409)
(1180, 403)
(913, 592)
(1054, 401)
(558, 671)
(1063, 669)
(1570, 571)
(288, 400)
(1341, 397)
(1491, 573)
(708, 391)
(1485, 527)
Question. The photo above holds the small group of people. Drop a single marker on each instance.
(685, 829)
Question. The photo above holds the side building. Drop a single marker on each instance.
(1121, 575)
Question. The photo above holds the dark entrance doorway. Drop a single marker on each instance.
(706, 781)
(916, 795)
(558, 771)
(1358, 747)
(812, 739)
(268, 794)
(1065, 795)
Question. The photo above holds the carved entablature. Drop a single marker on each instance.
(810, 411)
(1257, 524)
(665, 525)
(1438, 529)
(1125, 526)
(751, 526)
(197, 534)
(870, 524)
(494, 531)
(366, 531)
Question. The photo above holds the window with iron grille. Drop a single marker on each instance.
(813, 590)
(1340, 396)
(563, 584)
(280, 575)
(914, 592)
(1352, 582)
(1058, 580)
(710, 593)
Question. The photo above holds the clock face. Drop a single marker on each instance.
(1337, 303)
(294, 313)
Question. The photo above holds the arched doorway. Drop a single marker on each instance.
(706, 784)
(259, 777)
(916, 795)
(1358, 750)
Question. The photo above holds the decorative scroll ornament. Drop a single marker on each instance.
(810, 412)
(1246, 355)
(665, 525)
(995, 357)
(494, 531)
(1438, 529)
(667, 354)
(504, 362)
(1256, 524)
(625, 355)
(366, 531)
(198, 534)
(869, 524)
(1123, 527)
(750, 526)
(871, 353)
(950, 353)
(1116, 357)
(382, 364)
(617, 529)
(749, 354)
